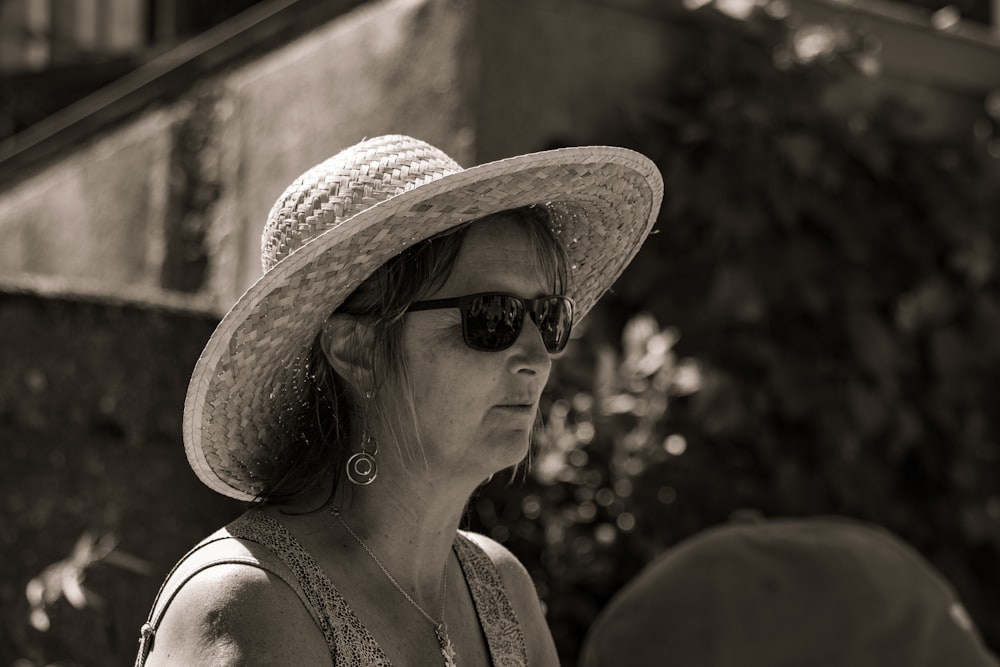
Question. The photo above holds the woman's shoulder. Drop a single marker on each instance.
(235, 613)
(523, 597)
(232, 601)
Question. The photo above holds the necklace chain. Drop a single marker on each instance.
(440, 629)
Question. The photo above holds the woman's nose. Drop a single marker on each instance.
(528, 352)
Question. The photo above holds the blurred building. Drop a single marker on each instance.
(54, 52)
(88, 78)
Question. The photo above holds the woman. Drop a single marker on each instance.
(390, 360)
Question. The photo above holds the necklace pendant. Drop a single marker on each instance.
(444, 641)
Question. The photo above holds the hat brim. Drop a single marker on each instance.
(604, 202)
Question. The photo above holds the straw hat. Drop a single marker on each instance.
(344, 218)
(821, 591)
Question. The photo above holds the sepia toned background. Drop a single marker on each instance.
(814, 327)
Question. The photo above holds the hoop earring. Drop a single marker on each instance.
(362, 468)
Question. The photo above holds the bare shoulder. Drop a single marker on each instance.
(523, 597)
(236, 614)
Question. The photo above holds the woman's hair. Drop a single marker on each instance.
(334, 412)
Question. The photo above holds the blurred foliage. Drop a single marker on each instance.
(813, 328)
(65, 579)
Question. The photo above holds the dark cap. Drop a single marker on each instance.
(819, 592)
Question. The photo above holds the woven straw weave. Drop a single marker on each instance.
(341, 220)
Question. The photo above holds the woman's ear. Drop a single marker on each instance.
(345, 341)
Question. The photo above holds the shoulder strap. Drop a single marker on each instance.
(349, 640)
(220, 548)
(496, 615)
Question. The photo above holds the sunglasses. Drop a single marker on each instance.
(492, 321)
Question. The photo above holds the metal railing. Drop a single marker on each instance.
(161, 75)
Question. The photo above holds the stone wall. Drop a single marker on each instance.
(97, 215)
(551, 73)
(91, 395)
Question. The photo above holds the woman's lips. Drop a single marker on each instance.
(517, 408)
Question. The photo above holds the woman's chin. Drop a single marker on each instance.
(511, 450)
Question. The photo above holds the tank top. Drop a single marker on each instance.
(258, 540)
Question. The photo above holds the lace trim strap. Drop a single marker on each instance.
(501, 627)
(349, 641)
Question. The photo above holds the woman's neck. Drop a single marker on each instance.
(408, 524)
(417, 525)
(407, 519)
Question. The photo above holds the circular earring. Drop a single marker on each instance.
(362, 468)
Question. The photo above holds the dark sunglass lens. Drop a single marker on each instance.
(554, 319)
(493, 321)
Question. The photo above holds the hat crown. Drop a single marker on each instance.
(351, 181)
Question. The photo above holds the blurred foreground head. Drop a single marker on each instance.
(821, 592)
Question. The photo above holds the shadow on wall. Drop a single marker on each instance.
(97, 499)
